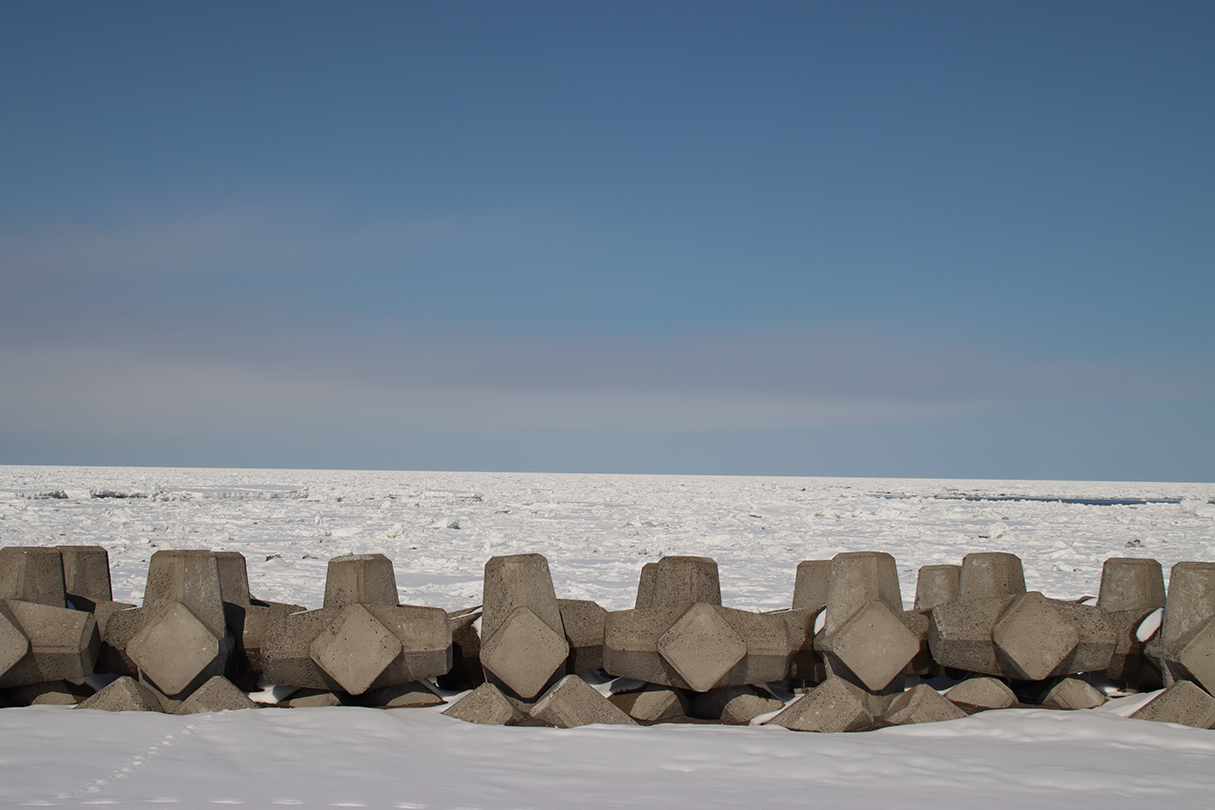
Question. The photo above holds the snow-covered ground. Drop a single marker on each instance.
(596, 531)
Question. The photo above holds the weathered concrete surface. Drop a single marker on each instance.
(32, 574)
(1073, 694)
(582, 621)
(191, 577)
(812, 585)
(485, 705)
(937, 585)
(1034, 637)
(218, 694)
(366, 579)
(991, 575)
(832, 707)
(572, 702)
(1131, 584)
(86, 575)
(676, 583)
(123, 695)
(874, 646)
(177, 651)
(702, 647)
(1183, 702)
(960, 636)
(466, 670)
(1184, 650)
(980, 694)
(921, 704)
(524, 653)
(62, 643)
(653, 703)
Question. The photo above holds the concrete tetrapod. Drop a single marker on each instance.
(1185, 647)
(523, 644)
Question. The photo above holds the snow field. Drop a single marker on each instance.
(597, 532)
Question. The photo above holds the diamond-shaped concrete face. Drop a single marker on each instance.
(13, 643)
(1198, 657)
(175, 650)
(701, 647)
(1034, 636)
(875, 645)
(524, 653)
(355, 649)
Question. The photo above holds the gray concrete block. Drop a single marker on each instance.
(515, 581)
(1098, 639)
(921, 704)
(701, 647)
(191, 577)
(991, 575)
(412, 695)
(874, 645)
(287, 650)
(86, 575)
(572, 702)
(32, 574)
(1185, 646)
(485, 705)
(1131, 584)
(366, 579)
(979, 694)
(653, 703)
(1196, 660)
(63, 643)
(14, 646)
(858, 578)
(922, 663)
(425, 636)
(812, 584)
(582, 621)
(647, 583)
(524, 653)
(676, 583)
(1072, 694)
(959, 636)
(117, 622)
(1184, 703)
(123, 695)
(218, 694)
(734, 705)
(1034, 636)
(937, 585)
(768, 646)
(630, 646)
(176, 651)
(833, 706)
(355, 649)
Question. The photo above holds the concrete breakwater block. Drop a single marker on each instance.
(652, 703)
(485, 705)
(1184, 703)
(572, 702)
(864, 638)
(834, 706)
(582, 620)
(523, 644)
(32, 574)
(40, 643)
(676, 583)
(1185, 647)
(981, 694)
(937, 585)
(702, 648)
(86, 576)
(734, 705)
(921, 704)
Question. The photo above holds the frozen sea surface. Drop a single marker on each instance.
(596, 531)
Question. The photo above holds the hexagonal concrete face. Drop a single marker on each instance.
(1198, 657)
(701, 647)
(1034, 637)
(355, 649)
(176, 651)
(875, 645)
(524, 652)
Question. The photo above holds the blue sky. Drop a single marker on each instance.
(888, 239)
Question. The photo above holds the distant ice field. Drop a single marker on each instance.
(597, 531)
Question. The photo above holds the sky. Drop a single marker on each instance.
(963, 240)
